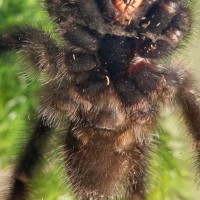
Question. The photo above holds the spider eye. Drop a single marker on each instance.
(128, 6)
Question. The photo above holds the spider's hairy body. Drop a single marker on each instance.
(108, 84)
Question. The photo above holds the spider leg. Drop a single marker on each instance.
(87, 41)
(137, 178)
(189, 102)
(186, 96)
(44, 53)
(163, 29)
(191, 110)
(61, 10)
(37, 45)
(32, 154)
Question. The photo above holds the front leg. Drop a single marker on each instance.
(45, 56)
(164, 28)
(39, 47)
(27, 163)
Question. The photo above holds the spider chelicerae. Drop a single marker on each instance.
(107, 86)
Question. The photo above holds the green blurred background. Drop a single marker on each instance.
(172, 168)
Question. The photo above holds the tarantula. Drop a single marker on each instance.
(106, 87)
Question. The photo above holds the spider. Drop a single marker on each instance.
(106, 86)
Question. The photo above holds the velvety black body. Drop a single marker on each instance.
(108, 84)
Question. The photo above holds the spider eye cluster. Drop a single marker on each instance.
(127, 5)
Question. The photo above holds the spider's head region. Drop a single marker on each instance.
(122, 12)
(128, 10)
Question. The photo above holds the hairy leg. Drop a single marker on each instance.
(162, 29)
(37, 45)
(27, 163)
(138, 176)
(186, 95)
(44, 54)
(188, 99)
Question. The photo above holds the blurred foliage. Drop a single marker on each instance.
(171, 171)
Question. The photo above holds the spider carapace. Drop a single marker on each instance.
(108, 84)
